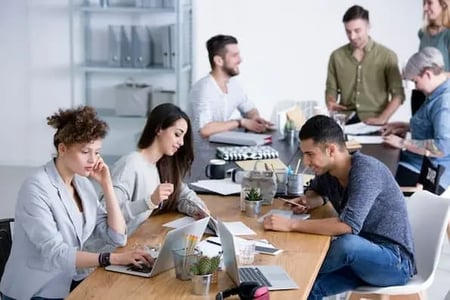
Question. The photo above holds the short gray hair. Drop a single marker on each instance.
(427, 58)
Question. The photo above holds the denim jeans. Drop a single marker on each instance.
(3, 297)
(353, 261)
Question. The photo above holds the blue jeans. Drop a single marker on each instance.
(3, 297)
(353, 261)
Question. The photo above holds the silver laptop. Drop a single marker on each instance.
(175, 239)
(274, 277)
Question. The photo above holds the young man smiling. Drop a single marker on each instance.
(373, 242)
(363, 74)
(215, 97)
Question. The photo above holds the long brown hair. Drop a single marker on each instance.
(170, 168)
(444, 19)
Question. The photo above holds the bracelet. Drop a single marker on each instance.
(104, 259)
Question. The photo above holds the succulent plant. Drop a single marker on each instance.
(289, 125)
(205, 265)
(253, 194)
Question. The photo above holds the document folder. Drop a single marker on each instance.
(114, 46)
(127, 48)
(172, 46)
(160, 39)
(141, 46)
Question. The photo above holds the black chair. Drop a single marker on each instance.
(429, 178)
(417, 99)
(5, 242)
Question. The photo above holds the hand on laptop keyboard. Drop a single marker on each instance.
(144, 268)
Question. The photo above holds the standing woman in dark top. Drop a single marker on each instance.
(435, 33)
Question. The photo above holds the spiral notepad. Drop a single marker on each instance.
(246, 152)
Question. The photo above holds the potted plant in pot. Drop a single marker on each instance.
(202, 272)
(289, 131)
(253, 202)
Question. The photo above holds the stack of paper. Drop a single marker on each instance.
(361, 129)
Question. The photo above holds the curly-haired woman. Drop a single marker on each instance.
(58, 209)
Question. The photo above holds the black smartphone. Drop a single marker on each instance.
(267, 250)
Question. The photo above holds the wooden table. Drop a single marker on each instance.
(302, 257)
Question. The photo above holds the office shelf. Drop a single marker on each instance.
(103, 68)
(94, 79)
(125, 9)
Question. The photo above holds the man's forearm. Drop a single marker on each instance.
(390, 109)
(327, 226)
(252, 114)
(215, 127)
(313, 200)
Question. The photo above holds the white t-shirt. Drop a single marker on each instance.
(207, 102)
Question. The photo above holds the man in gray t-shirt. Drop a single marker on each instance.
(373, 241)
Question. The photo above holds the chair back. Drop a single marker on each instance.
(430, 176)
(5, 242)
(428, 214)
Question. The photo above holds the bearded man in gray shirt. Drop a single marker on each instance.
(373, 241)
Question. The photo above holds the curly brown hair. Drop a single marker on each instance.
(77, 126)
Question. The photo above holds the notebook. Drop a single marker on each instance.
(175, 239)
(246, 152)
(275, 277)
(241, 138)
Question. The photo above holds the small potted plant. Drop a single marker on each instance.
(253, 202)
(202, 272)
(289, 131)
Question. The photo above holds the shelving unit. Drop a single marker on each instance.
(94, 80)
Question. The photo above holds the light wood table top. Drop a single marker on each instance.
(302, 257)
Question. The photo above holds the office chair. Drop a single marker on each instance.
(5, 242)
(417, 99)
(429, 178)
(433, 211)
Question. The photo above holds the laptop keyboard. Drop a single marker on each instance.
(253, 274)
(144, 268)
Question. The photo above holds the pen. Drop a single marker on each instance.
(212, 242)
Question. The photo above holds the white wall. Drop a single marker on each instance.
(285, 46)
(34, 77)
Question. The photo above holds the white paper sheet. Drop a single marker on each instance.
(179, 222)
(239, 228)
(366, 139)
(285, 213)
(219, 186)
(236, 228)
(361, 128)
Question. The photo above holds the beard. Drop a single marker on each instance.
(230, 71)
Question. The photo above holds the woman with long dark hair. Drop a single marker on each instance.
(149, 180)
